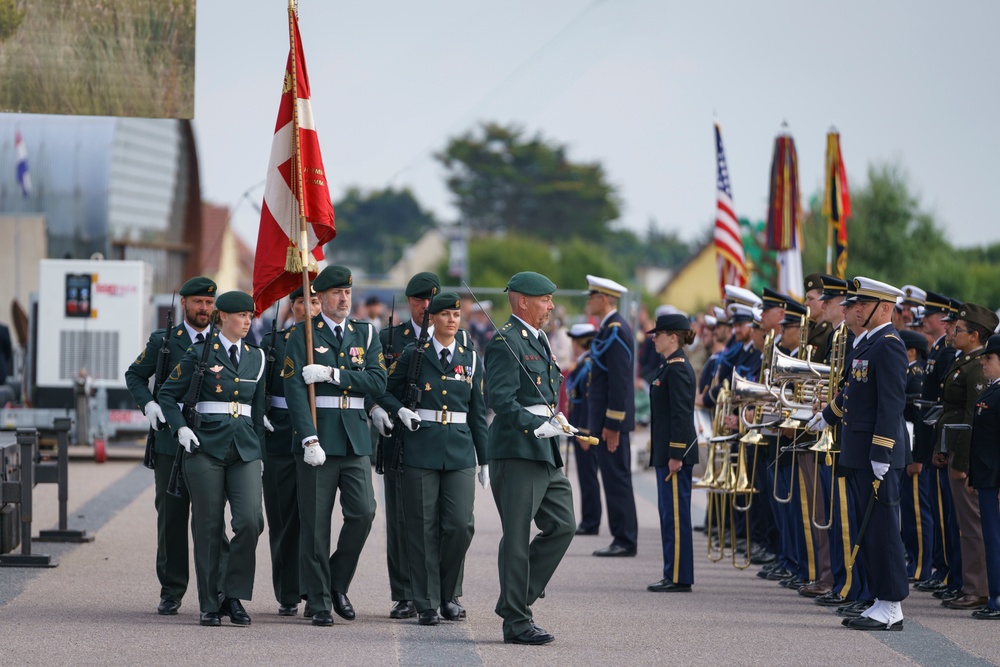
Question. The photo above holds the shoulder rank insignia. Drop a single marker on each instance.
(176, 373)
(246, 348)
(141, 356)
(381, 361)
(350, 327)
(319, 325)
(179, 332)
(392, 369)
(215, 369)
(286, 336)
(615, 324)
(288, 370)
(406, 332)
(322, 350)
(215, 346)
(524, 334)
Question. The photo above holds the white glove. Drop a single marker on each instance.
(484, 475)
(154, 415)
(381, 420)
(268, 425)
(880, 469)
(314, 373)
(816, 423)
(549, 429)
(187, 438)
(564, 424)
(314, 456)
(410, 419)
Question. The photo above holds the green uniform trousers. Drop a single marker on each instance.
(395, 538)
(172, 516)
(437, 505)
(527, 491)
(211, 482)
(281, 504)
(323, 573)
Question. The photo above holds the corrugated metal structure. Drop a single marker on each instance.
(127, 188)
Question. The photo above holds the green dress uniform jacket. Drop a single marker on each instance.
(279, 441)
(819, 338)
(959, 393)
(341, 432)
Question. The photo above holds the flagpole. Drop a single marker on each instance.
(829, 221)
(303, 234)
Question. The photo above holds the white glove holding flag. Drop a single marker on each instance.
(187, 438)
(268, 425)
(880, 469)
(381, 420)
(314, 373)
(410, 419)
(154, 415)
(484, 475)
(314, 456)
(816, 423)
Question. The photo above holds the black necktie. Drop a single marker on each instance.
(233, 357)
(200, 338)
(444, 357)
(545, 343)
(339, 333)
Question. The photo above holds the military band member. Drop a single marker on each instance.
(522, 383)
(334, 452)
(223, 461)
(915, 504)
(870, 410)
(674, 449)
(281, 503)
(447, 441)
(612, 412)
(197, 301)
(984, 472)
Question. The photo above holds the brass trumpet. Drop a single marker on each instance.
(827, 444)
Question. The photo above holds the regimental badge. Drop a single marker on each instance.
(319, 325)
(427, 386)
(406, 332)
(980, 387)
(524, 334)
(538, 380)
(215, 369)
(218, 389)
(215, 347)
(322, 350)
(288, 370)
(176, 373)
(179, 332)
(350, 327)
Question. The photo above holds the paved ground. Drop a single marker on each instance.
(98, 605)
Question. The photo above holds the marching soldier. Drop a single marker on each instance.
(984, 472)
(522, 381)
(197, 301)
(438, 490)
(577, 390)
(223, 461)
(334, 454)
(280, 490)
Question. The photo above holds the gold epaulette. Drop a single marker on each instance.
(615, 324)
(678, 360)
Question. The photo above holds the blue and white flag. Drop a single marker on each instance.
(23, 177)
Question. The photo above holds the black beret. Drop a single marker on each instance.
(423, 285)
(912, 339)
(297, 292)
(444, 301)
(530, 284)
(333, 276)
(199, 286)
(234, 302)
(671, 322)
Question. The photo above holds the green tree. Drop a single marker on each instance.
(10, 18)
(504, 180)
(373, 228)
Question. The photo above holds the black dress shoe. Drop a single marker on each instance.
(864, 623)
(611, 551)
(288, 610)
(795, 583)
(168, 607)
(343, 606)
(307, 612)
(831, 599)
(855, 609)
(987, 614)
(322, 618)
(233, 608)
(580, 530)
(777, 574)
(947, 594)
(451, 610)
(930, 585)
(667, 586)
(210, 618)
(429, 617)
(533, 636)
(403, 609)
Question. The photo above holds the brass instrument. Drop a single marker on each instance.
(826, 443)
(716, 480)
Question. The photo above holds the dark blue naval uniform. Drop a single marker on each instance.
(741, 357)
(915, 493)
(612, 406)
(577, 388)
(984, 476)
(671, 399)
(870, 410)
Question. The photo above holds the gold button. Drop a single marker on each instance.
(236, 379)
(236, 393)
(341, 368)
(341, 354)
(348, 386)
(444, 407)
(444, 392)
(443, 377)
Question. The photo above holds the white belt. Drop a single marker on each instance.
(341, 402)
(540, 410)
(279, 402)
(232, 408)
(442, 417)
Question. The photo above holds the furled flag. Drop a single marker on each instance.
(23, 175)
(836, 207)
(296, 193)
(730, 258)
(783, 232)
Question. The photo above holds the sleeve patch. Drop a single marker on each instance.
(615, 414)
(288, 370)
(883, 441)
(176, 373)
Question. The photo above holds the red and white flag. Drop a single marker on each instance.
(295, 178)
(730, 257)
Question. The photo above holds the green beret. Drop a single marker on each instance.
(234, 302)
(981, 315)
(445, 301)
(333, 276)
(530, 284)
(199, 286)
(423, 285)
(297, 292)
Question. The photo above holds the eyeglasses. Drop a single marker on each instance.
(961, 330)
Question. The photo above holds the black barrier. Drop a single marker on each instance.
(20, 492)
(58, 473)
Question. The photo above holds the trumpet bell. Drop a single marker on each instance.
(825, 443)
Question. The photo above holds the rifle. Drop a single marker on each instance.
(269, 363)
(379, 445)
(412, 395)
(175, 484)
(162, 368)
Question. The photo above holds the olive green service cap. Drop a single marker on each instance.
(234, 302)
(981, 315)
(332, 277)
(199, 286)
(423, 285)
(530, 283)
(445, 301)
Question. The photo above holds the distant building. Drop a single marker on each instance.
(693, 285)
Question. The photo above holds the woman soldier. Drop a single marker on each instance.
(671, 397)
(223, 460)
(440, 458)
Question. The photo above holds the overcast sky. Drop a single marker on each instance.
(633, 84)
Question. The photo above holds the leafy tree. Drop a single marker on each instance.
(10, 18)
(504, 180)
(373, 228)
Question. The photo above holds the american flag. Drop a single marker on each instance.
(730, 258)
